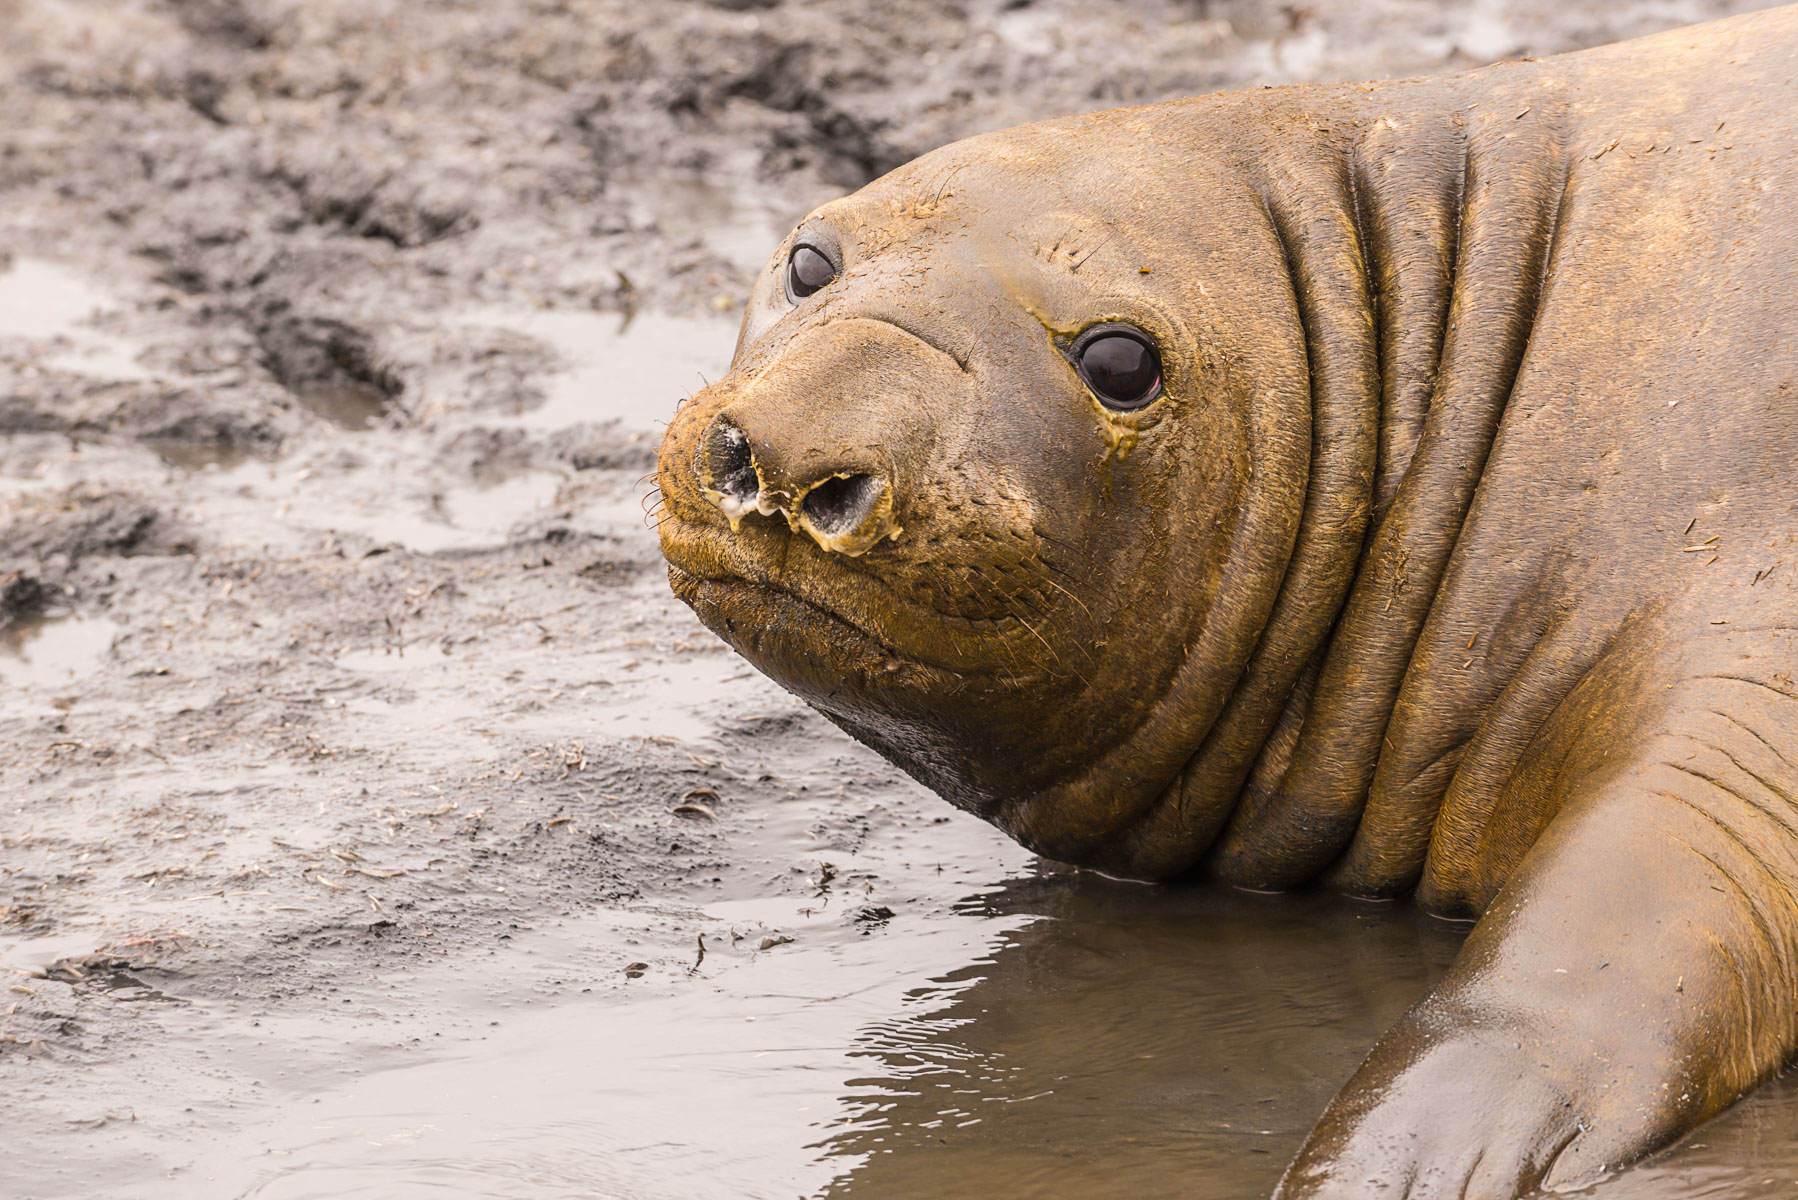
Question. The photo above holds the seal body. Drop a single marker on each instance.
(1450, 552)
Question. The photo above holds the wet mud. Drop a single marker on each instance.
(374, 821)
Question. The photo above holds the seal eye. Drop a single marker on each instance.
(808, 269)
(1120, 365)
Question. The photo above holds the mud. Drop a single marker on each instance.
(375, 823)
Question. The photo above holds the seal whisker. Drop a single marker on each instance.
(1090, 253)
(1092, 620)
(1011, 651)
(1004, 603)
(1043, 611)
(944, 190)
(1050, 538)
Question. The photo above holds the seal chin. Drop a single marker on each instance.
(856, 678)
(938, 694)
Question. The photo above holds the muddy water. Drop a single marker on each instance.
(44, 302)
(716, 1079)
(1048, 1034)
(348, 407)
(1134, 1042)
(45, 651)
(618, 367)
(42, 657)
(993, 1026)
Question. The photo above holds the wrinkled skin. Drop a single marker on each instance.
(1455, 559)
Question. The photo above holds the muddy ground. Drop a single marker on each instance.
(373, 822)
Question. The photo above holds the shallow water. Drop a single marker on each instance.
(1055, 1034)
(630, 367)
(47, 302)
(1135, 1042)
(43, 655)
(999, 1026)
(349, 407)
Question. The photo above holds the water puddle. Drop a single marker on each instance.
(202, 457)
(1131, 1042)
(52, 652)
(44, 301)
(678, 697)
(717, 1075)
(629, 369)
(354, 408)
(417, 656)
(720, 1088)
(32, 955)
(1056, 1035)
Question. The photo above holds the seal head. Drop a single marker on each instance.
(989, 483)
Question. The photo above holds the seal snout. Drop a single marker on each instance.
(842, 508)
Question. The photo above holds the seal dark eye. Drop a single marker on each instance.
(808, 269)
(1120, 365)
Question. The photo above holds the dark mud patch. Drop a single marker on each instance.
(330, 366)
(57, 530)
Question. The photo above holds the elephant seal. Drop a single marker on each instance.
(1392, 485)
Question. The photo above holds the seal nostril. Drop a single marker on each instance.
(838, 505)
(730, 464)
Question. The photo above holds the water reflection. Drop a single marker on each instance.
(1136, 1041)
(1097, 1040)
(1161, 1043)
(704, 1078)
(198, 457)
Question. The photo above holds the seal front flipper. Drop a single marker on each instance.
(1636, 973)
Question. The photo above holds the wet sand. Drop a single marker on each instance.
(376, 823)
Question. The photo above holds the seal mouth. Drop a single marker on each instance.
(726, 600)
(705, 572)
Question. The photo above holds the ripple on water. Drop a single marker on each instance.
(722, 1086)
